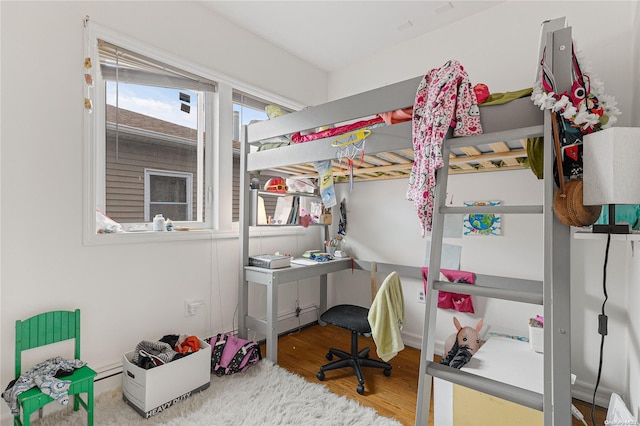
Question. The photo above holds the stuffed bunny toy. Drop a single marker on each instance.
(461, 346)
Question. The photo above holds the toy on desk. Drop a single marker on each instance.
(321, 257)
(307, 254)
(461, 346)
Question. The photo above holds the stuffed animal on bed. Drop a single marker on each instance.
(461, 346)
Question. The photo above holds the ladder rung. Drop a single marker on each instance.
(536, 209)
(482, 384)
(527, 296)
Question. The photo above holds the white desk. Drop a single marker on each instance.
(271, 278)
(502, 359)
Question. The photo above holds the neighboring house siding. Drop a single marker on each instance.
(146, 142)
(125, 175)
(133, 153)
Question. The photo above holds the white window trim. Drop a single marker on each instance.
(218, 192)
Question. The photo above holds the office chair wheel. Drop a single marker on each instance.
(360, 389)
(387, 372)
(320, 375)
(329, 356)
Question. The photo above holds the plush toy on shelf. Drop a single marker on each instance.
(460, 346)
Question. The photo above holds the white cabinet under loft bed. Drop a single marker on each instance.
(502, 124)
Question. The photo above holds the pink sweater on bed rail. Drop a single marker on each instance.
(444, 99)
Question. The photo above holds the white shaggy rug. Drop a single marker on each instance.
(264, 395)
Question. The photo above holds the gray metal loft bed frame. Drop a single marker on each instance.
(515, 121)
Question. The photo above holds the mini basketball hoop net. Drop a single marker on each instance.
(350, 150)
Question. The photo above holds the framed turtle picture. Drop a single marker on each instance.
(482, 223)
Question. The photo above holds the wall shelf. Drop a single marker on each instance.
(291, 213)
(588, 235)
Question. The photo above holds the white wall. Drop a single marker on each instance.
(499, 47)
(0, 193)
(129, 292)
(633, 295)
(382, 226)
(633, 346)
(635, 55)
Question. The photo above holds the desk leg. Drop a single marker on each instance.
(243, 307)
(272, 322)
(323, 293)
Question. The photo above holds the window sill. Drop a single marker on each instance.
(148, 236)
(191, 235)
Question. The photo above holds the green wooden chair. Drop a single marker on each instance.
(41, 330)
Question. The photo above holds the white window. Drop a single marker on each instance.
(150, 138)
(247, 108)
(161, 137)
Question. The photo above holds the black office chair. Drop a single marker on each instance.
(355, 319)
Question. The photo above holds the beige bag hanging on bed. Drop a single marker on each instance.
(567, 201)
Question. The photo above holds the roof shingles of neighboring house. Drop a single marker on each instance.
(145, 122)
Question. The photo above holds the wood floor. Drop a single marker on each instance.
(303, 352)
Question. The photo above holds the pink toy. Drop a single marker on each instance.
(460, 347)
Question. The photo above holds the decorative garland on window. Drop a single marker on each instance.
(88, 69)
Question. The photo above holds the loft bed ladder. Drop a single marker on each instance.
(553, 293)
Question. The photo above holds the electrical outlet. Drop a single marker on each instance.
(190, 307)
(187, 310)
(421, 296)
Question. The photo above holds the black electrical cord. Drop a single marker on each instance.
(602, 329)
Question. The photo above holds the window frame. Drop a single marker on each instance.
(247, 100)
(95, 147)
(217, 222)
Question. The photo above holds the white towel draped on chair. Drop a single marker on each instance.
(386, 317)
